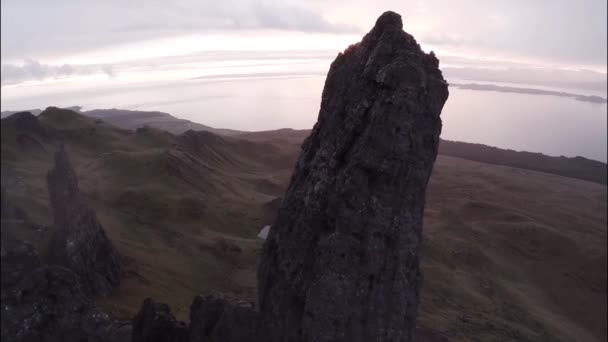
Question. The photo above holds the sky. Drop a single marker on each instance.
(44, 40)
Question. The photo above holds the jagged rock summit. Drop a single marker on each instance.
(156, 323)
(341, 262)
(79, 242)
(46, 303)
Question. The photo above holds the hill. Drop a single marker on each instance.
(8, 113)
(130, 119)
(576, 167)
(510, 254)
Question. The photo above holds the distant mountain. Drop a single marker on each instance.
(576, 167)
(131, 119)
(530, 91)
(7, 113)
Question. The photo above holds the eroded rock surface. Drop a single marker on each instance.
(341, 262)
(216, 318)
(156, 323)
(79, 242)
(46, 303)
(19, 258)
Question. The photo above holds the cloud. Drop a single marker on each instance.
(269, 15)
(34, 70)
(36, 28)
(445, 39)
(554, 31)
(229, 15)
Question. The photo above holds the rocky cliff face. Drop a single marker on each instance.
(213, 318)
(341, 262)
(79, 242)
(156, 323)
(46, 303)
(19, 258)
(216, 318)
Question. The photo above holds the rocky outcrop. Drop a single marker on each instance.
(341, 262)
(79, 242)
(213, 318)
(46, 303)
(156, 323)
(19, 258)
(216, 318)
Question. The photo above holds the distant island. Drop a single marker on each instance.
(531, 91)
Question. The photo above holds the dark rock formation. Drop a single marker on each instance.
(79, 242)
(49, 305)
(25, 122)
(155, 323)
(213, 318)
(218, 319)
(46, 303)
(19, 258)
(341, 262)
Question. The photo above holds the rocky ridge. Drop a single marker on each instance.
(52, 302)
(46, 302)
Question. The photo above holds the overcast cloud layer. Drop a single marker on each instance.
(562, 31)
(31, 29)
(44, 39)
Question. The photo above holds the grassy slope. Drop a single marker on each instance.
(510, 254)
(576, 167)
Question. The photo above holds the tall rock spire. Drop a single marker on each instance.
(79, 242)
(341, 262)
